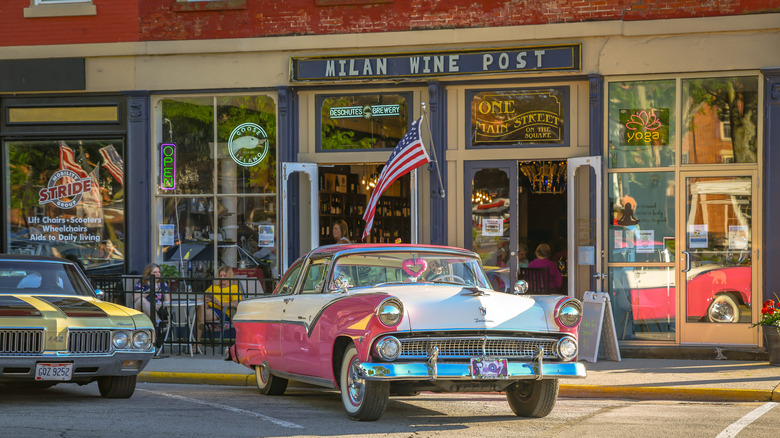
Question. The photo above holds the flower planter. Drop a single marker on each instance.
(772, 344)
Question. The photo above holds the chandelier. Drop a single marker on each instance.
(546, 176)
(481, 197)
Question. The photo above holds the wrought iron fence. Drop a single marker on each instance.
(192, 315)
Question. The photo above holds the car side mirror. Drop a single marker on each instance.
(341, 282)
(521, 287)
(100, 294)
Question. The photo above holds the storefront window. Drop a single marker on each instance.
(643, 302)
(233, 220)
(642, 215)
(67, 199)
(535, 116)
(246, 135)
(344, 191)
(365, 121)
(188, 123)
(720, 120)
(641, 124)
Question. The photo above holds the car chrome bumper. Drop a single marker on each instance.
(462, 371)
(85, 366)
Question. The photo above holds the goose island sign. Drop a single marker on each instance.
(416, 65)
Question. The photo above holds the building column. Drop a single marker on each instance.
(138, 183)
(287, 151)
(771, 182)
(437, 103)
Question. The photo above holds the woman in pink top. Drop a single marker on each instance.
(542, 261)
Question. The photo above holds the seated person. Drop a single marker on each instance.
(542, 260)
(220, 300)
(142, 298)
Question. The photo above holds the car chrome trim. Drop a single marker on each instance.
(21, 341)
(464, 347)
(462, 371)
(327, 383)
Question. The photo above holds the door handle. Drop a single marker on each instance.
(600, 276)
(301, 317)
(288, 300)
(687, 261)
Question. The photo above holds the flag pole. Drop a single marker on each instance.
(442, 193)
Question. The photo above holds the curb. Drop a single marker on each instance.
(668, 393)
(197, 378)
(571, 391)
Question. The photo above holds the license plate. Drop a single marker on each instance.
(53, 371)
(488, 368)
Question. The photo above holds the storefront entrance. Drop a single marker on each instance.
(513, 207)
(716, 257)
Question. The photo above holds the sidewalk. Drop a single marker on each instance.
(646, 379)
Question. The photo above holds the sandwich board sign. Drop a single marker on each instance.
(597, 334)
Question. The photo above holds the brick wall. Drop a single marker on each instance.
(152, 20)
(303, 17)
(116, 21)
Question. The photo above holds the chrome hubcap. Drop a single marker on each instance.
(355, 384)
(722, 312)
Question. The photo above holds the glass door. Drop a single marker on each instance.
(490, 198)
(584, 201)
(716, 258)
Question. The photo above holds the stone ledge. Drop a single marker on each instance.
(62, 10)
(215, 5)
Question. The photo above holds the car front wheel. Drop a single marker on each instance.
(534, 399)
(116, 386)
(267, 383)
(364, 400)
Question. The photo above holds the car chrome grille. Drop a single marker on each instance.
(89, 341)
(21, 342)
(467, 347)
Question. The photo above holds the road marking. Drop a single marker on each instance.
(228, 408)
(740, 424)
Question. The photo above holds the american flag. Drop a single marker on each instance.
(68, 160)
(92, 201)
(407, 156)
(114, 163)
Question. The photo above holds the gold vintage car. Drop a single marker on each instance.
(55, 329)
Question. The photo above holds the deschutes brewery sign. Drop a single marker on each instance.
(518, 116)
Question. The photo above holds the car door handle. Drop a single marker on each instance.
(288, 300)
(301, 317)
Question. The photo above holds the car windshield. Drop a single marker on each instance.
(41, 278)
(375, 268)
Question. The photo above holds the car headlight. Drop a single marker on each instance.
(567, 349)
(570, 313)
(388, 348)
(142, 340)
(390, 312)
(120, 339)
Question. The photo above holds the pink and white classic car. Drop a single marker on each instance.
(381, 320)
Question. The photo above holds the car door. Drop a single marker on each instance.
(263, 321)
(300, 332)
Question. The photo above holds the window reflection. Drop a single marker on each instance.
(642, 216)
(88, 222)
(371, 121)
(490, 216)
(643, 302)
(641, 124)
(232, 220)
(188, 122)
(720, 120)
